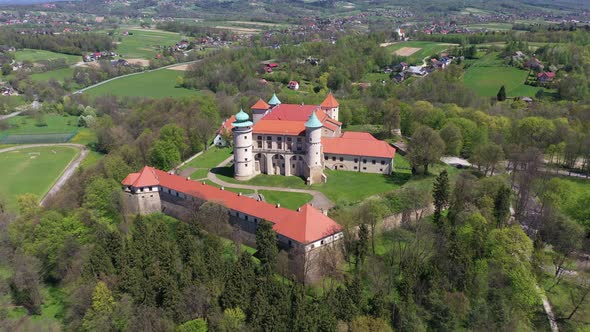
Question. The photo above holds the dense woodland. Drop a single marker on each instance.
(70, 43)
(468, 266)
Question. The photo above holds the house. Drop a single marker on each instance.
(545, 77)
(417, 71)
(534, 64)
(518, 54)
(399, 77)
(293, 85)
(224, 131)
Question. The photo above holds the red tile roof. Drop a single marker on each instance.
(145, 178)
(548, 74)
(304, 226)
(330, 101)
(292, 112)
(357, 144)
(260, 105)
(279, 127)
(226, 126)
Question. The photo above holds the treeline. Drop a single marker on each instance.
(68, 43)
(195, 30)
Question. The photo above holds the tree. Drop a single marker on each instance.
(371, 213)
(266, 248)
(361, 245)
(6, 69)
(25, 283)
(502, 206)
(103, 304)
(501, 96)
(195, 325)
(164, 155)
(488, 156)
(440, 193)
(451, 135)
(174, 134)
(425, 148)
(233, 320)
(369, 324)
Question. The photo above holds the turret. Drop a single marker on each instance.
(330, 106)
(274, 101)
(259, 110)
(313, 140)
(242, 135)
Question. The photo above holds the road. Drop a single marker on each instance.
(319, 201)
(132, 74)
(68, 171)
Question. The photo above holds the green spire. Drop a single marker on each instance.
(274, 100)
(313, 121)
(242, 119)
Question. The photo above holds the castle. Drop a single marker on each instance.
(302, 140)
(303, 233)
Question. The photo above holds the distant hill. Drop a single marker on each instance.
(27, 2)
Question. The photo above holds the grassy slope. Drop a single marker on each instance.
(155, 84)
(489, 73)
(22, 174)
(142, 44)
(36, 55)
(59, 75)
(287, 200)
(23, 124)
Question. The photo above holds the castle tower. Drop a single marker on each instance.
(330, 106)
(142, 192)
(274, 101)
(259, 110)
(242, 135)
(313, 157)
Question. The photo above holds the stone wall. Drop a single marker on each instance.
(396, 220)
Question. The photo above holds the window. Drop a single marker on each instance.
(151, 195)
(374, 161)
(333, 158)
(364, 168)
(341, 159)
(269, 138)
(269, 144)
(382, 162)
(245, 150)
(364, 161)
(298, 139)
(381, 170)
(246, 159)
(259, 144)
(245, 137)
(259, 137)
(356, 160)
(355, 167)
(322, 242)
(288, 139)
(341, 166)
(292, 165)
(279, 139)
(325, 157)
(246, 165)
(246, 218)
(280, 145)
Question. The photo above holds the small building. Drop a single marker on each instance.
(223, 132)
(293, 85)
(545, 77)
(417, 71)
(399, 77)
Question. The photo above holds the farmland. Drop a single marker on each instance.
(32, 170)
(59, 75)
(143, 43)
(152, 84)
(426, 48)
(489, 73)
(37, 55)
(54, 124)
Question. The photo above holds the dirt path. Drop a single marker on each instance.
(319, 200)
(68, 171)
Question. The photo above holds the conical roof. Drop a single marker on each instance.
(260, 105)
(274, 100)
(329, 102)
(313, 121)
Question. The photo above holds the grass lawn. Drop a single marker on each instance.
(491, 26)
(152, 84)
(288, 200)
(32, 170)
(342, 186)
(143, 43)
(210, 158)
(36, 55)
(56, 124)
(84, 136)
(233, 190)
(59, 75)
(427, 48)
(489, 73)
(91, 159)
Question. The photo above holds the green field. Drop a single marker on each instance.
(151, 84)
(210, 158)
(286, 199)
(427, 48)
(491, 26)
(59, 75)
(143, 43)
(489, 73)
(32, 170)
(36, 55)
(23, 124)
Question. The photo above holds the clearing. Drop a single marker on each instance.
(149, 84)
(144, 44)
(425, 48)
(32, 170)
(56, 127)
(37, 55)
(489, 73)
(407, 51)
(180, 67)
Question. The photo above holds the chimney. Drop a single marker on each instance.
(239, 194)
(203, 182)
(278, 205)
(298, 209)
(222, 188)
(188, 178)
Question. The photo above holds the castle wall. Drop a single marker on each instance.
(358, 163)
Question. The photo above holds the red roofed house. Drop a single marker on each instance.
(545, 77)
(303, 140)
(224, 132)
(293, 85)
(303, 233)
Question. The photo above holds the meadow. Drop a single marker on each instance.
(487, 74)
(32, 170)
(427, 48)
(149, 84)
(24, 124)
(58, 75)
(143, 43)
(37, 55)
